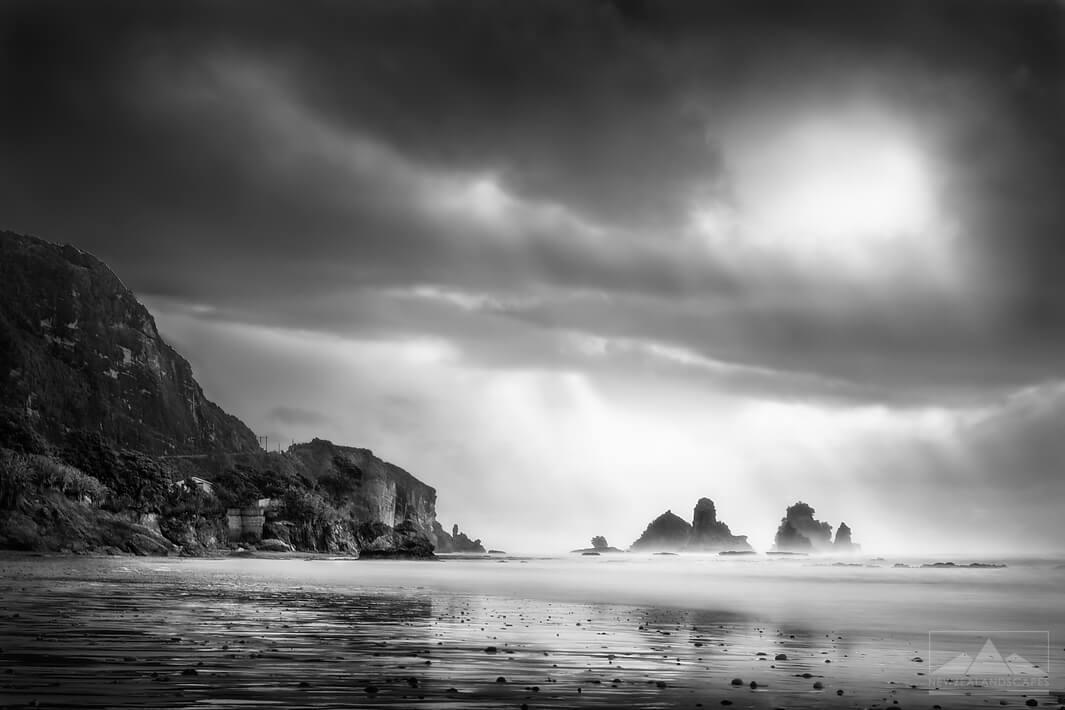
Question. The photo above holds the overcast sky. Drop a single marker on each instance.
(575, 263)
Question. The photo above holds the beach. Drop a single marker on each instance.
(538, 632)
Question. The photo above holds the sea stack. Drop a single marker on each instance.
(666, 533)
(799, 531)
(670, 533)
(709, 534)
(843, 542)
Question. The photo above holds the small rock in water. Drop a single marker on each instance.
(491, 649)
(501, 679)
(818, 685)
(737, 681)
(781, 657)
(372, 689)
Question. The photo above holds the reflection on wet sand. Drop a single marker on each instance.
(129, 636)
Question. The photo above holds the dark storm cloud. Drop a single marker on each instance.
(313, 169)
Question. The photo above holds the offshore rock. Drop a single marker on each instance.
(709, 534)
(843, 542)
(456, 541)
(668, 532)
(799, 531)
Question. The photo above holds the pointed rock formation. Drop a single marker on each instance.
(843, 542)
(667, 532)
(709, 534)
(799, 531)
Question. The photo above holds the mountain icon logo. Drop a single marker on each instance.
(988, 662)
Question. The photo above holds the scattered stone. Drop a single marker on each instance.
(501, 679)
(818, 685)
(781, 657)
(737, 681)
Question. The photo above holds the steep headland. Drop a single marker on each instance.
(107, 442)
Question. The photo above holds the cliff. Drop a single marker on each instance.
(78, 352)
(92, 398)
(393, 509)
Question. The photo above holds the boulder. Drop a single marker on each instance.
(274, 545)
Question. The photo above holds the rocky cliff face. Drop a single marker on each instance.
(393, 509)
(79, 353)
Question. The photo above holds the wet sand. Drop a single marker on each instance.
(124, 632)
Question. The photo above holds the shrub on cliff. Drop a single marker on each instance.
(306, 507)
(15, 478)
(135, 480)
(189, 502)
(18, 434)
(21, 474)
(243, 484)
(56, 475)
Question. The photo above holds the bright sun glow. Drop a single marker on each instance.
(856, 195)
(824, 183)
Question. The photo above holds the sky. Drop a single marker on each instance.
(577, 263)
